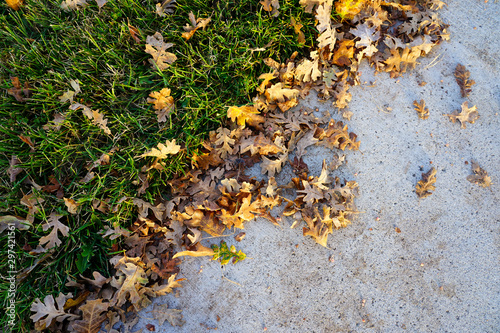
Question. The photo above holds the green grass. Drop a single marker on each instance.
(48, 47)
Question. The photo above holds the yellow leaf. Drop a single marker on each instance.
(201, 251)
(163, 150)
(14, 4)
(245, 114)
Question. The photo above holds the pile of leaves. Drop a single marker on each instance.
(216, 194)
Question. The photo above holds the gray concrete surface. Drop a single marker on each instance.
(440, 274)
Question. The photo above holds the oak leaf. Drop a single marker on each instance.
(462, 77)
(277, 92)
(52, 238)
(467, 114)
(271, 6)
(162, 102)
(166, 7)
(163, 151)
(297, 27)
(246, 114)
(73, 4)
(70, 94)
(71, 205)
(423, 112)
(18, 91)
(50, 311)
(158, 49)
(480, 176)
(224, 139)
(92, 317)
(131, 279)
(316, 229)
(308, 70)
(195, 25)
(225, 254)
(426, 185)
(310, 194)
(273, 166)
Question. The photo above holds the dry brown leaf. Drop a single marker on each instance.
(13, 170)
(423, 112)
(71, 94)
(166, 7)
(13, 222)
(49, 311)
(18, 91)
(467, 114)
(480, 176)
(31, 201)
(157, 48)
(201, 251)
(297, 27)
(163, 103)
(171, 148)
(426, 185)
(195, 25)
(52, 238)
(271, 6)
(55, 124)
(316, 229)
(246, 114)
(73, 4)
(134, 33)
(271, 167)
(130, 280)
(94, 314)
(462, 77)
(277, 93)
(71, 205)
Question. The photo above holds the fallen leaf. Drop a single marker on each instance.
(71, 205)
(480, 176)
(70, 94)
(467, 114)
(200, 251)
(52, 239)
(423, 112)
(195, 25)
(271, 6)
(13, 222)
(166, 7)
(462, 77)
(157, 48)
(134, 33)
(163, 150)
(94, 314)
(73, 4)
(426, 185)
(246, 114)
(13, 170)
(18, 89)
(49, 311)
(297, 27)
(15, 4)
(163, 103)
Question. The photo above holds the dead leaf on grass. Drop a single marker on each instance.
(158, 49)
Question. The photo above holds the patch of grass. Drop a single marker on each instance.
(48, 47)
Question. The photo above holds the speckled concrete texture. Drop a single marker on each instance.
(441, 273)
